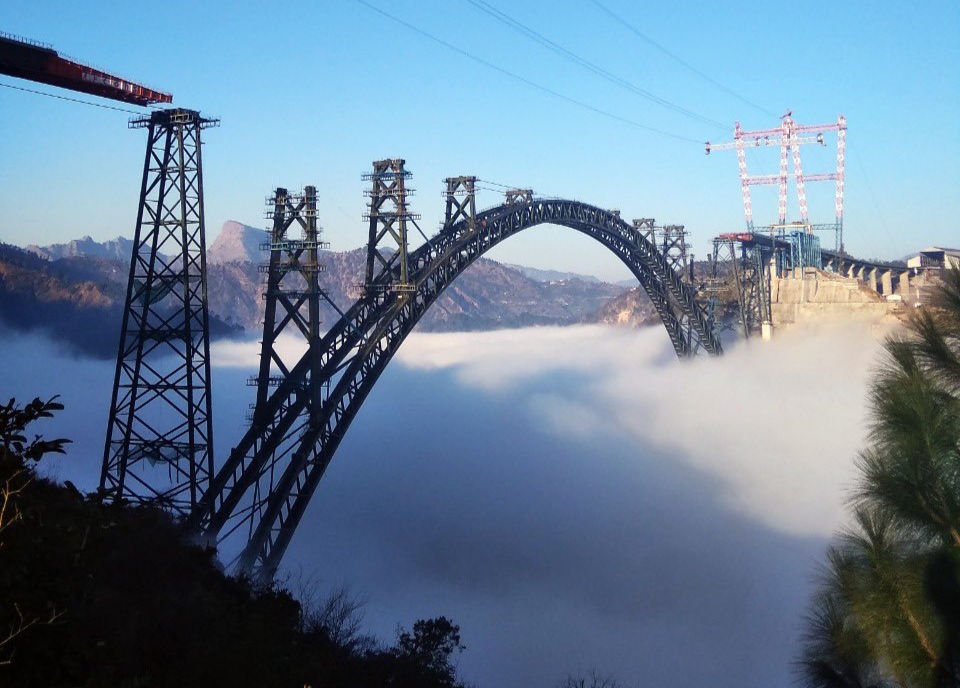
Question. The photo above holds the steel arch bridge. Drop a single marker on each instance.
(267, 481)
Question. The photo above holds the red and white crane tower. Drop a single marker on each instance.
(789, 136)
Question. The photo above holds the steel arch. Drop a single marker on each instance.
(356, 350)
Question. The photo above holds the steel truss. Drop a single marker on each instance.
(356, 350)
(461, 202)
(159, 444)
(673, 245)
(292, 306)
(388, 217)
(749, 265)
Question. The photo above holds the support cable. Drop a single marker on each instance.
(676, 58)
(425, 237)
(873, 196)
(524, 80)
(504, 18)
(72, 100)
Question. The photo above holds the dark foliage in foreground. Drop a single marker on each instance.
(887, 612)
(103, 595)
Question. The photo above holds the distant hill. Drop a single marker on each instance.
(76, 300)
(85, 247)
(551, 275)
(76, 290)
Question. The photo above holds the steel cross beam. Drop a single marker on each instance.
(356, 350)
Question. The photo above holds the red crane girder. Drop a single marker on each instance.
(39, 62)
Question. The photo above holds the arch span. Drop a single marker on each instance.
(270, 476)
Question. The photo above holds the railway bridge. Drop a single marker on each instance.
(305, 407)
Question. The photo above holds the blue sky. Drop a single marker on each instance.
(312, 92)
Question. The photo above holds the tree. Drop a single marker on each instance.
(99, 594)
(887, 612)
(338, 616)
(15, 477)
(594, 680)
(431, 646)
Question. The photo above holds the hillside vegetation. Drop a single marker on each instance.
(100, 595)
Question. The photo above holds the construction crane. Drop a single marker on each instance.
(39, 62)
(788, 136)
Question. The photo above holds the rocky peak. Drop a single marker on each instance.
(237, 243)
(118, 249)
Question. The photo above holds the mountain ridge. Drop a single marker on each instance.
(60, 287)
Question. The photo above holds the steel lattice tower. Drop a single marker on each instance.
(512, 196)
(388, 217)
(645, 227)
(159, 444)
(292, 298)
(673, 245)
(461, 202)
(293, 287)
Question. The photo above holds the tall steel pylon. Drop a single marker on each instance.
(388, 217)
(292, 297)
(461, 202)
(673, 245)
(293, 289)
(159, 444)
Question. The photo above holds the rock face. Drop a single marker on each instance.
(237, 243)
(820, 295)
(631, 309)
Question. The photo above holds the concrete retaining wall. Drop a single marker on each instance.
(821, 295)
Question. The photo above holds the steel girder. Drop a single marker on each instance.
(356, 350)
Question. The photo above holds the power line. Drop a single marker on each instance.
(524, 80)
(881, 217)
(586, 64)
(504, 186)
(676, 58)
(72, 100)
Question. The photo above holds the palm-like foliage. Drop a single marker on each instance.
(888, 609)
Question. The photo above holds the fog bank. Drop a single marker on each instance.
(573, 498)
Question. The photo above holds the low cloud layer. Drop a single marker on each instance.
(775, 425)
(573, 498)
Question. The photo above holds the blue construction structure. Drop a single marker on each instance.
(802, 251)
